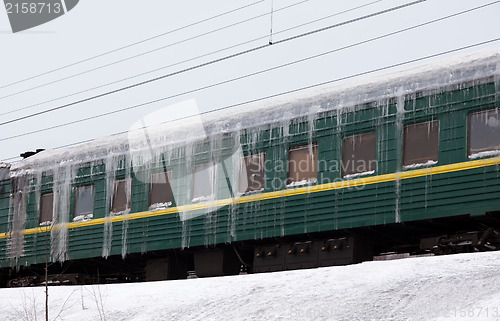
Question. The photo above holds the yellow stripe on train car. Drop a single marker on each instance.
(428, 171)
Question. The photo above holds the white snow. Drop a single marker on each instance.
(455, 287)
(255, 191)
(359, 174)
(202, 198)
(46, 223)
(417, 165)
(484, 154)
(125, 212)
(159, 206)
(83, 218)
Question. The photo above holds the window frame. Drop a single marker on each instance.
(355, 173)
(485, 152)
(169, 176)
(40, 220)
(290, 180)
(75, 200)
(213, 177)
(128, 204)
(244, 165)
(422, 161)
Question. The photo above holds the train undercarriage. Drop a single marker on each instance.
(459, 234)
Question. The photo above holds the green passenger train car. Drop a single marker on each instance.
(405, 163)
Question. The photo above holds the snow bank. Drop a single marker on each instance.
(458, 287)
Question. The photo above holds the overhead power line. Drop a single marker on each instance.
(11, 158)
(187, 60)
(312, 86)
(252, 74)
(258, 72)
(213, 61)
(150, 51)
(135, 43)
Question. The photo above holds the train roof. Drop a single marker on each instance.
(341, 95)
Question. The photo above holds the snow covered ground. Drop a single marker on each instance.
(455, 287)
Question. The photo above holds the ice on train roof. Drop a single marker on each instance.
(444, 73)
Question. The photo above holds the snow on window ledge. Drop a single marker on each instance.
(252, 192)
(484, 154)
(46, 223)
(120, 213)
(159, 206)
(83, 218)
(418, 165)
(302, 182)
(201, 199)
(359, 174)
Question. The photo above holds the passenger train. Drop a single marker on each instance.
(406, 162)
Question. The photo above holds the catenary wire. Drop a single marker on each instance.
(150, 51)
(187, 60)
(213, 61)
(255, 73)
(163, 47)
(314, 85)
(11, 158)
(134, 44)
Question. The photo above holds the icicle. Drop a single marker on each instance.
(17, 218)
(183, 190)
(311, 122)
(111, 163)
(128, 193)
(62, 186)
(496, 79)
(398, 197)
(400, 104)
(236, 169)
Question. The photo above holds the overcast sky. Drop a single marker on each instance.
(95, 27)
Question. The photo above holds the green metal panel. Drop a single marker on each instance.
(4, 205)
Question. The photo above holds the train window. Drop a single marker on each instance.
(119, 201)
(160, 191)
(46, 207)
(302, 164)
(84, 200)
(484, 133)
(252, 173)
(203, 182)
(420, 143)
(358, 154)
